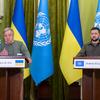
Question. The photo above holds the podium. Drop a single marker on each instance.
(91, 76)
(11, 77)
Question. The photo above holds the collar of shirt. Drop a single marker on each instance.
(94, 44)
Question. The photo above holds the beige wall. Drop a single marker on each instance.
(1, 7)
(87, 13)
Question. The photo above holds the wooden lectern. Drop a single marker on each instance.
(11, 77)
(91, 76)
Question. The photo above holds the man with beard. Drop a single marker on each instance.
(93, 47)
(90, 49)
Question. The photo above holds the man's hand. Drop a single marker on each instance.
(29, 60)
(4, 52)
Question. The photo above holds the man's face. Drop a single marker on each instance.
(94, 35)
(8, 37)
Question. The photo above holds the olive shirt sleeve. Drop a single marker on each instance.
(82, 52)
(24, 50)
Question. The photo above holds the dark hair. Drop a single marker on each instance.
(95, 28)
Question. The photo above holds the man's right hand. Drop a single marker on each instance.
(4, 52)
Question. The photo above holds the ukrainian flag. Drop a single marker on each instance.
(97, 18)
(72, 44)
(18, 25)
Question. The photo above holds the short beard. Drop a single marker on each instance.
(95, 40)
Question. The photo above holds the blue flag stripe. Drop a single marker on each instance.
(72, 21)
(19, 14)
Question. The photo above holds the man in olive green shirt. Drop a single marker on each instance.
(90, 49)
(93, 47)
(14, 76)
(12, 47)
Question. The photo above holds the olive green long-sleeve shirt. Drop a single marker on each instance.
(17, 47)
(90, 49)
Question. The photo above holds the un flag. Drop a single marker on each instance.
(42, 58)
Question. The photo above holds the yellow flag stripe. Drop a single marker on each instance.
(69, 50)
(18, 37)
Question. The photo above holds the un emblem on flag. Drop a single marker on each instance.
(42, 30)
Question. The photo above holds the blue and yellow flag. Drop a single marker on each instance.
(42, 58)
(72, 44)
(18, 25)
(97, 18)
